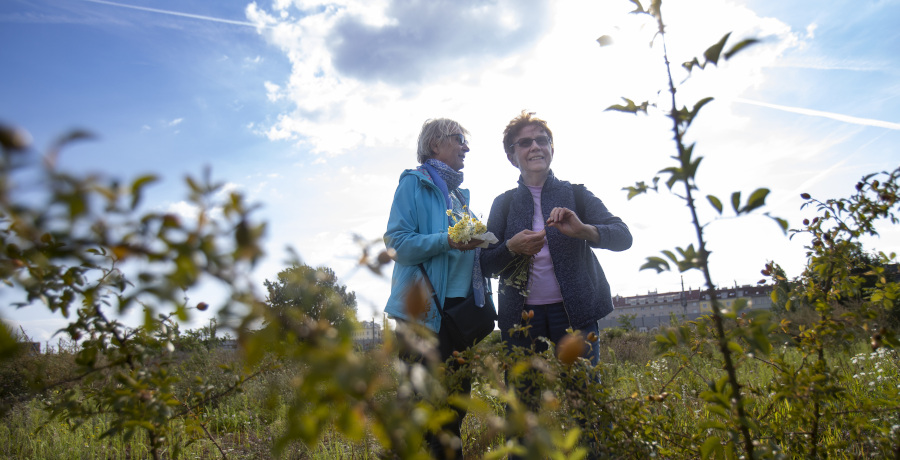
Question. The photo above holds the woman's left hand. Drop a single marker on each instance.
(472, 244)
(567, 222)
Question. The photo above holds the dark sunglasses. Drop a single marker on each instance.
(525, 142)
(460, 139)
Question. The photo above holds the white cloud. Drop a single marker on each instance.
(273, 91)
(362, 126)
(811, 31)
(183, 209)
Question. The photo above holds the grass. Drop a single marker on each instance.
(247, 424)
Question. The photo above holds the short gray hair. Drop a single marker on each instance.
(432, 130)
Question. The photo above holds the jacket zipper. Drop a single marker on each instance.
(555, 277)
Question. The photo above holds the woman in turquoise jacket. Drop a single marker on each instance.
(417, 234)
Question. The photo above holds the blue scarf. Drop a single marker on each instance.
(448, 180)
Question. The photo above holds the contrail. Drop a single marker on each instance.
(175, 13)
(819, 113)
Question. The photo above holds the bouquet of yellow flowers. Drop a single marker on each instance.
(466, 228)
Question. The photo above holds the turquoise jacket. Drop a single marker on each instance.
(417, 231)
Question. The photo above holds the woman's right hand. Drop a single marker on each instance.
(527, 242)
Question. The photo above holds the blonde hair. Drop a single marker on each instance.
(432, 130)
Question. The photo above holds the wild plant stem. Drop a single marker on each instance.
(736, 399)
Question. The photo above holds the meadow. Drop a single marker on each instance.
(246, 424)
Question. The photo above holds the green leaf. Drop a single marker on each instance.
(715, 203)
(710, 424)
(690, 170)
(690, 64)
(675, 175)
(138, 185)
(629, 107)
(670, 255)
(571, 439)
(699, 105)
(8, 343)
(756, 200)
(638, 7)
(740, 46)
(736, 202)
(711, 445)
(781, 223)
(71, 136)
(641, 187)
(193, 185)
(760, 341)
(712, 53)
(655, 263)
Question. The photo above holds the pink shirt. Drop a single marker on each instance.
(543, 288)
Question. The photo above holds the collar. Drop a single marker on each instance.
(549, 182)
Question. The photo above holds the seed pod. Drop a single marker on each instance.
(14, 138)
(570, 348)
(383, 257)
(202, 306)
(417, 301)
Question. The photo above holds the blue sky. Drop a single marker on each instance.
(311, 108)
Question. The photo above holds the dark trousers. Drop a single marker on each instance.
(549, 321)
(460, 385)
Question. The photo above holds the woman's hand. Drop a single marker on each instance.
(527, 242)
(567, 222)
(472, 244)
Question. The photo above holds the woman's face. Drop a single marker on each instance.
(451, 149)
(535, 158)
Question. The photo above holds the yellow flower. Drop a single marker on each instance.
(466, 227)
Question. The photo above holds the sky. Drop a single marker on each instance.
(312, 109)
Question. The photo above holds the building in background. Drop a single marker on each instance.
(369, 335)
(648, 312)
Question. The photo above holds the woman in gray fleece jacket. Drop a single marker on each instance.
(557, 223)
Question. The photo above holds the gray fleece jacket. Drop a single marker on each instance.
(586, 293)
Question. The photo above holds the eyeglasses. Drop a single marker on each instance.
(460, 139)
(525, 142)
